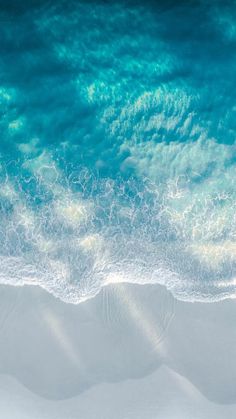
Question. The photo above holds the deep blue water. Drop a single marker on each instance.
(117, 146)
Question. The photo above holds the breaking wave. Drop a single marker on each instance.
(118, 148)
(73, 235)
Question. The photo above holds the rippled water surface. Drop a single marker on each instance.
(118, 146)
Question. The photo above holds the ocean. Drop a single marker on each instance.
(117, 147)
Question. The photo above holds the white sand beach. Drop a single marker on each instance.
(131, 352)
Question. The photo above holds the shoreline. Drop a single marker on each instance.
(66, 354)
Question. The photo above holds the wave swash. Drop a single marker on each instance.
(118, 148)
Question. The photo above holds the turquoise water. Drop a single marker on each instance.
(118, 146)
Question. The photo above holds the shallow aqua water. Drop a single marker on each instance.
(118, 146)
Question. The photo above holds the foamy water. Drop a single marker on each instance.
(118, 148)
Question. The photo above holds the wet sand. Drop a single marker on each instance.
(132, 352)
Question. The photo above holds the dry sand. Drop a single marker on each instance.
(132, 352)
